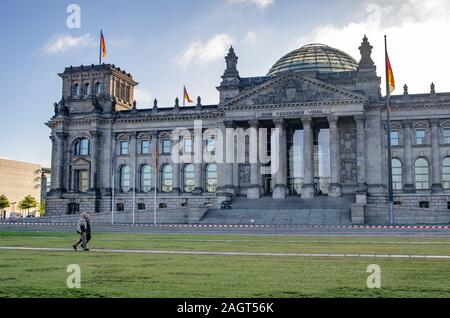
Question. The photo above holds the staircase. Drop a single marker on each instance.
(321, 210)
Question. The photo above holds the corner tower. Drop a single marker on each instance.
(96, 88)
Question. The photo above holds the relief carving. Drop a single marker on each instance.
(348, 153)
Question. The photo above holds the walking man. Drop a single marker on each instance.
(84, 229)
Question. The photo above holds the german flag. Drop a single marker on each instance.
(102, 45)
(186, 95)
(390, 75)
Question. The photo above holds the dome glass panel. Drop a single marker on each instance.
(315, 57)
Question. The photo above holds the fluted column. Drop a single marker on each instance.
(95, 136)
(435, 157)
(361, 154)
(198, 160)
(408, 169)
(133, 155)
(254, 191)
(175, 156)
(279, 160)
(334, 188)
(229, 156)
(53, 163)
(308, 189)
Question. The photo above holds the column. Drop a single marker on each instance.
(254, 191)
(360, 154)
(229, 156)
(175, 155)
(154, 148)
(133, 151)
(435, 157)
(335, 188)
(53, 163)
(279, 160)
(95, 135)
(198, 159)
(308, 188)
(220, 158)
(60, 160)
(408, 165)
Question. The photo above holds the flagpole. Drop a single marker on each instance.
(134, 183)
(156, 178)
(389, 150)
(184, 97)
(100, 49)
(113, 185)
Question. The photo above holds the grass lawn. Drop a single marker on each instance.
(43, 273)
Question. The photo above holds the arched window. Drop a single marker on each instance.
(125, 179)
(146, 178)
(98, 88)
(189, 178)
(446, 173)
(422, 174)
(397, 182)
(75, 90)
(166, 178)
(211, 178)
(82, 147)
(87, 89)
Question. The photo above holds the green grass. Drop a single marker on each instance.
(43, 274)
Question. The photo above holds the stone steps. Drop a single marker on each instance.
(278, 216)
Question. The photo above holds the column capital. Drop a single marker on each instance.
(254, 123)
(278, 121)
(332, 119)
(360, 119)
(229, 123)
(306, 120)
(435, 122)
(62, 135)
(407, 123)
(95, 134)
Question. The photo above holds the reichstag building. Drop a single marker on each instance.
(312, 130)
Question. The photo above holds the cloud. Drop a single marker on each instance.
(142, 97)
(415, 31)
(250, 38)
(63, 43)
(261, 4)
(203, 53)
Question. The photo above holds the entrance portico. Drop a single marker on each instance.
(290, 156)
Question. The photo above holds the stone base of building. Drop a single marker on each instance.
(308, 191)
(254, 192)
(280, 191)
(334, 190)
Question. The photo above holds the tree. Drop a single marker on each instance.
(4, 202)
(27, 203)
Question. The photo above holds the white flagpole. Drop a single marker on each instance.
(134, 185)
(113, 185)
(156, 178)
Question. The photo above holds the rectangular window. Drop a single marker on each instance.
(395, 138)
(211, 144)
(124, 147)
(166, 146)
(446, 133)
(145, 147)
(82, 180)
(420, 137)
(188, 145)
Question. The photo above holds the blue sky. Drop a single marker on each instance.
(166, 44)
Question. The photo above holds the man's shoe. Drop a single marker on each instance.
(74, 247)
(86, 249)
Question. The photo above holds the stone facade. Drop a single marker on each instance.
(291, 133)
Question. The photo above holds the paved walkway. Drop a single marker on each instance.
(48, 249)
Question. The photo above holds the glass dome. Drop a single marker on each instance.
(315, 57)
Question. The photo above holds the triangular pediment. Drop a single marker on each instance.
(293, 88)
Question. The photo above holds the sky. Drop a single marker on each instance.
(171, 43)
